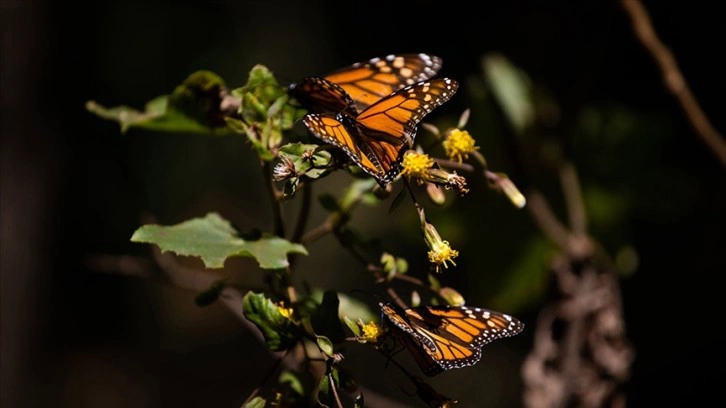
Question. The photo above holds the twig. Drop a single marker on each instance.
(573, 198)
(279, 227)
(673, 78)
(546, 220)
(266, 377)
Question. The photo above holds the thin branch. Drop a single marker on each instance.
(673, 78)
(266, 378)
(573, 198)
(546, 220)
(279, 227)
(304, 214)
(335, 391)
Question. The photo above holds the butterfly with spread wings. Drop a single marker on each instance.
(354, 88)
(376, 138)
(444, 337)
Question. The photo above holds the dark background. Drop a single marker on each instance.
(72, 185)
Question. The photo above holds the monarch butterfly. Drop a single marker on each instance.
(356, 87)
(376, 138)
(444, 337)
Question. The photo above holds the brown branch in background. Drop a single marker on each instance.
(581, 355)
(673, 78)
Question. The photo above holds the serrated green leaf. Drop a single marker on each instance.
(279, 331)
(213, 239)
(256, 402)
(271, 251)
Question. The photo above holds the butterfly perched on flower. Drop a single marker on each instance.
(377, 137)
(444, 337)
(358, 86)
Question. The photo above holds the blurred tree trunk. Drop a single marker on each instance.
(29, 169)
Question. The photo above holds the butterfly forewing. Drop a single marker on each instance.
(446, 337)
(320, 95)
(367, 82)
(400, 112)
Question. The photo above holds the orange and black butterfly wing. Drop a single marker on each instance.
(444, 337)
(388, 127)
(367, 82)
(410, 340)
(338, 130)
(454, 336)
(318, 95)
(377, 138)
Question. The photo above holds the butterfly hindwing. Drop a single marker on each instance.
(445, 337)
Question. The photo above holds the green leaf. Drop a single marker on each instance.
(328, 202)
(213, 239)
(324, 394)
(192, 107)
(512, 89)
(256, 402)
(325, 345)
(210, 295)
(352, 325)
(325, 318)
(280, 332)
(397, 201)
(298, 382)
(307, 159)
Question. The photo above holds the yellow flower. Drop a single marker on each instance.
(371, 332)
(415, 165)
(440, 251)
(286, 312)
(459, 144)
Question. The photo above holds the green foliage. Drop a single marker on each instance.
(512, 88)
(279, 331)
(256, 402)
(213, 239)
(315, 321)
(194, 106)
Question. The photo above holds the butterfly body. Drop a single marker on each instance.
(445, 337)
(376, 138)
